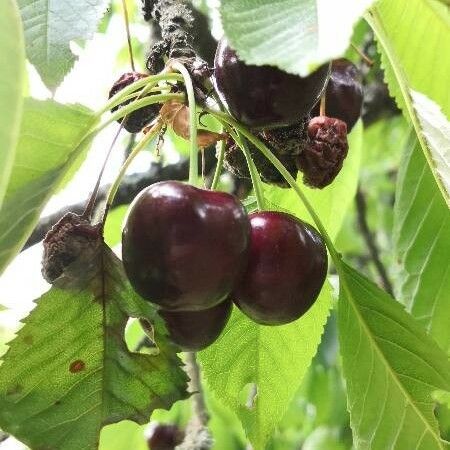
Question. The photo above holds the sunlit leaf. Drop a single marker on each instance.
(274, 358)
(422, 246)
(69, 372)
(49, 28)
(50, 144)
(295, 35)
(12, 78)
(391, 368)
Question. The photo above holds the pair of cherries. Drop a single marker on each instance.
(193, 252)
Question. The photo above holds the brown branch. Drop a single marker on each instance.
(130, 187)
(361, 208)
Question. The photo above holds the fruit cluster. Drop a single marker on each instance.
(278, 106)
(192, 252)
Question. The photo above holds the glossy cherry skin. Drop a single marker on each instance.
(196, 330)
(344, 94)
(286, 269)
(264, 96)
(183, 248)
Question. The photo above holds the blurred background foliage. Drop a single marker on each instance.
(317, 418)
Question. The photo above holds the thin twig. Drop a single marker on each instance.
(197, 434)
(127, 27)
(195, 386)
(361, 208)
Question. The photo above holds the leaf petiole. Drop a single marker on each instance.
(137, 148)
(193, 152)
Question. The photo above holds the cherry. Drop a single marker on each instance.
(286, 269)
(165, 437)
(264, 96)
(137, 120)
(344, 94)
(196, 330)
(183, 248)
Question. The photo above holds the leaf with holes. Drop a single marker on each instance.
(51, 144)
(422, 247)
(69, 372)
(391, 368)
(294, 35)
(274, 358)
(49, 28)
(413, 36)
(12, 78)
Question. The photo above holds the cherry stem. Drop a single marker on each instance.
(193, 152)
(127, 27)
(254, 175)
(147, 82)
(221, 145)
(90, 205)
(226, 119)
(137, 148)
(365, 58)
(322, 104)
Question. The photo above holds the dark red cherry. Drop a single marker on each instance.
(183, 248)
(165, 437)
(196, 330)
(286, 269)
(137, 120)
(264, 96)
(344, 94)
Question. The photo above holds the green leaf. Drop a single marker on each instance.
(413, 36)
(69, 372)
(12, 78)
(331, 203)
(422, 246)
(391, 367)
(274, 358)
(50, 144)
(123, 435)
(113, 225)
(49, 28)
(295, 35)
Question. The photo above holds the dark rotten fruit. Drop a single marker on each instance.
(137, 120)
(344, 94)
(183, 247)
(165, 437)
(196, 330)
(286, 269)
(326, 148)
(264, 96)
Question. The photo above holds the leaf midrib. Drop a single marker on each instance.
(342, 277)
